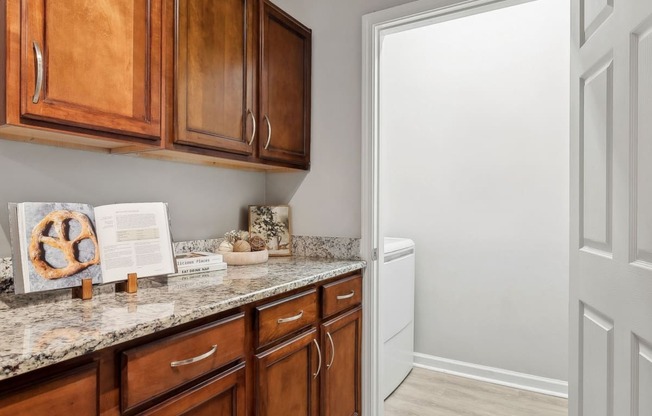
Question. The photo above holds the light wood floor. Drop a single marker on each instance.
(430, 393)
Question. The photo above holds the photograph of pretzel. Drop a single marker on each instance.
(54, 231)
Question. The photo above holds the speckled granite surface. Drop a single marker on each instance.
(36, 334)
(322, 247)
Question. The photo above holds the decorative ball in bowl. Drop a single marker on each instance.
(243, 258)
(240, 248)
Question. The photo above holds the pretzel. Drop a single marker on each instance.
(59, 220)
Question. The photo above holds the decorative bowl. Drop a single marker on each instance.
(243, 258)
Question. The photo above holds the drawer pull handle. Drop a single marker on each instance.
(328, 334)
(39, 72)
(318, 355)
(349, 296)
(253, 132)
(194, 359)
(291, 318)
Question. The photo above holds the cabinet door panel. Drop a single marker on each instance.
(342, 373)
(284, 88)
(71, 393)
(285, 378)
(215, 74)
(223, 395)
(99, 66)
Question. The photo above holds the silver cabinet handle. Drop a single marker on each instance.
(349, 296)
(194, 359)
(318, 355)
(328, 334)
(39, 72)
(253, 120)
(291, 318)
(269, 131)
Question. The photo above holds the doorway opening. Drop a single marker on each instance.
(465, 150)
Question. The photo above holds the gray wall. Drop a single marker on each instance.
(482, 187)
(204, 201)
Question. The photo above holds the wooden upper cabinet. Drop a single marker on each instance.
(284, 88)
(215, 70)
(94, 64)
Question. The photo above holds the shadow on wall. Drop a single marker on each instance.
(281, 187)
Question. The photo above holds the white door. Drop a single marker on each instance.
(611, 208)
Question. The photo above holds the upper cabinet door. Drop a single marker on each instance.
(94, 64)
(284, 88)
(215, 58)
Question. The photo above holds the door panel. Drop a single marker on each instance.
(597, 363)
(641, 57)
(642, 377)
(214, 80)
(341, 377)
(99, 66)
(286, 383)
(595, 13)
(611, 202)
(284, 88)
(597, 110)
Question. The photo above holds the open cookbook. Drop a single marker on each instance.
(56, 244)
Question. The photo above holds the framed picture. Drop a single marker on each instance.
(272, 223)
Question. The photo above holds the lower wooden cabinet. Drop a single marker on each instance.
(286, 382)
(223, 395)
(341, 375)
(73, 392)
(284, 356)
(316, 372)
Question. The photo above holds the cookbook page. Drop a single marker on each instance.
(134, 238)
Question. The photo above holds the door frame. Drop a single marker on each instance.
(375, 26)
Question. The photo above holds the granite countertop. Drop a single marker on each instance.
(38, 334)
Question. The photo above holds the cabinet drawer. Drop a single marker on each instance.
(285, 316)
(71, 393)
(222, 395)
(341, 295)
(155, 368)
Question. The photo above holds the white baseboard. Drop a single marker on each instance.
(507, 378)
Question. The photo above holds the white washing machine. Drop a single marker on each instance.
(397, 312)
